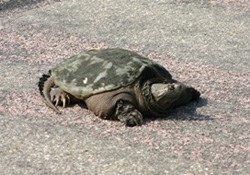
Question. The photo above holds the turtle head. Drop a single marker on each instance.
(173, 94)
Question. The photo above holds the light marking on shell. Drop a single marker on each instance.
(108, 65)
(100, 76)
(94, 60)
(85, 81)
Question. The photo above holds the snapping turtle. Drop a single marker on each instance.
(115, 84)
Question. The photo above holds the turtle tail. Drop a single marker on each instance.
(45, 84)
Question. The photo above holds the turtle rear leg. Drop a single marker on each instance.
(128, 114)
(51, 93)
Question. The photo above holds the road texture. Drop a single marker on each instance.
(203, 43)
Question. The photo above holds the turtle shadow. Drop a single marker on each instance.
(187, 112)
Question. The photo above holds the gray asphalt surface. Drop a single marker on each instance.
(206, 46)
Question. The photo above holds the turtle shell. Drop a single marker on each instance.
(99, 70)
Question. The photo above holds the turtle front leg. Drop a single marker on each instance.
(128, 114)
(59, 97)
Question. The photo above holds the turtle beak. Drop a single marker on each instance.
(195, 95)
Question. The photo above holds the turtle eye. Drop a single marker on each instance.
(171, 87)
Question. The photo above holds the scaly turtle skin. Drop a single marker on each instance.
(115, 84)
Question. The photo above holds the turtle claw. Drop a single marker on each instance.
(134, 119)
(59, 97)
(65, 100)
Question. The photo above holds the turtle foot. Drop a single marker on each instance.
(59, 97)
(127, 114)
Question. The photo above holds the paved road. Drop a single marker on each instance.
(203, 45)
